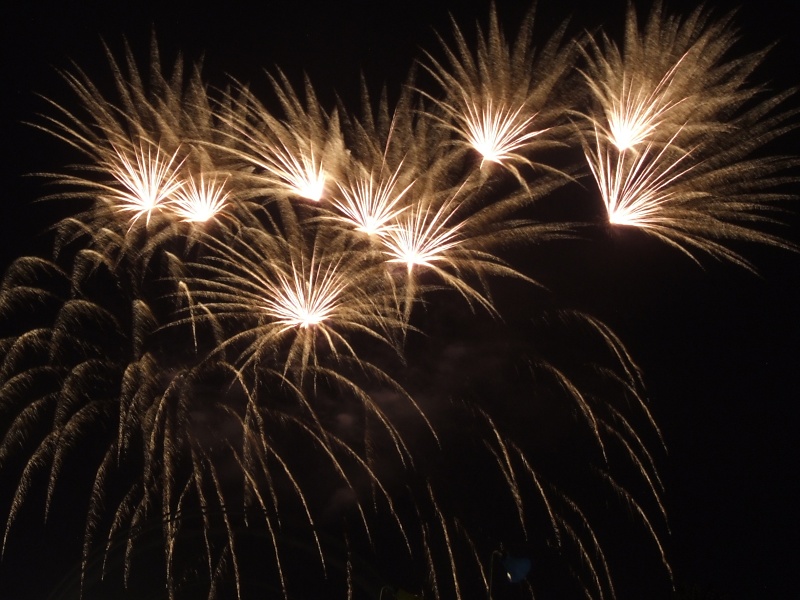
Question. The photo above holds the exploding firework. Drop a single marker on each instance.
(673, 139)
(231, 334)
(503, 101)
(296, 156)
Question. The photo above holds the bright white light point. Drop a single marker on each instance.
(369, 207)
(421, 238)
(199, 202)
(148, 180)
(635, 114)
(497, 132)
(304, 302)
(307, 319)
(625, 137)
(303, 177)
(312, 187)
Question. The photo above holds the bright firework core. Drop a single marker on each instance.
(149, 180)
(497, 132)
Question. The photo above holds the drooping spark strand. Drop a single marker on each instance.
(148, 180)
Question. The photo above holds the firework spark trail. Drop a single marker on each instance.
(635, 186)
(296, 308)
(147, 183)
(497, 133)
(371, 204)
(198, 202)
(637, 113)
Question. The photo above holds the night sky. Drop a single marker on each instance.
(718, 346)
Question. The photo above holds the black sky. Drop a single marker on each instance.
(719, 347)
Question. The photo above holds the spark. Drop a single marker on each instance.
(297, 155)
(371, 207)
(636, 113)
(497, 133)
(635, 189)
(422, 237)
(672, 135)
(305, 300)
(311, 293)
(495, 91)
(198, 202)
(303, 176)
(148, 181)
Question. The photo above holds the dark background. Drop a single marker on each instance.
(719, 346)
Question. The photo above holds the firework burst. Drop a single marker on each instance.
(371, 204)
(502, 101)
(297, 156)
(145, 169)
(199, 202)
(225, 334)
(674, 139)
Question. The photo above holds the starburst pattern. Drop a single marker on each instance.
(503, 100)
(497, 133)
(665, 107)
(230, 333)
(198, 202)
(297, 156)
(148, 180)
(371, 205)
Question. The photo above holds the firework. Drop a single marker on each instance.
(504, 101)
(227, 333)
(198, 202)
(152, 160)
(675, 131)
(297, 156)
